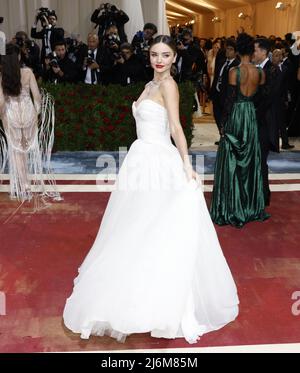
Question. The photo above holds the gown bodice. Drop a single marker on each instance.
(152, 122)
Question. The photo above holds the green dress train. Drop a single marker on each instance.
(238, 196)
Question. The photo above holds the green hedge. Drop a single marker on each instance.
(100, 117)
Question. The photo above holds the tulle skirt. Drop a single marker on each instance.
(156, 264)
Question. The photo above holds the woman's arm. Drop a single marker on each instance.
(35, 92)
(2, 99)
(170, 93)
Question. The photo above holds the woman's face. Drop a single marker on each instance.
(162, 57)
(216, 47)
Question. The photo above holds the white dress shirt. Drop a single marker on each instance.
(88, 78)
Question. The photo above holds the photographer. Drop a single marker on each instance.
(58, 67)
(143, 39)
(77, 49)
(128, 68)
(184, 62)
(111, 54)
(193, 48)
(49, 35)
(30, 52)
(107, 15)
(94, 65)
(141, 45)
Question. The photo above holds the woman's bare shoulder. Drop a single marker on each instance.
(26, 72)
(169, 83)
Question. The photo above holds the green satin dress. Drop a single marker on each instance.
(238, 196)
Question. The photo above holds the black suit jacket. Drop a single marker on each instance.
(131, 68)
(290, 75)
(68, 67)
(186, 67)
(118, 18)
(214, 94)
(57, 34)
(99, 60)
(267, 104)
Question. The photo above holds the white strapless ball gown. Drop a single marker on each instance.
(156, 265)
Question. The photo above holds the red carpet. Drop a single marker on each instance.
(40, 254)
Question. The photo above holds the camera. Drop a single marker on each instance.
(117, 56)
(1, 20)
(43, 13)
(90, 58)
(53, 59)
(72, 44)
(112, 40)
(180, 39)
(28, 44)
(110, 8)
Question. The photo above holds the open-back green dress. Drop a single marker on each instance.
(238, 186)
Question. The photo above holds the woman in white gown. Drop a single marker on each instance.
(156, 265)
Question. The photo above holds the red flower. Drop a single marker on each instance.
(106, 120)
(61, 110)
(110, 128)
(122, 116)
(89, 146)
(91, 132)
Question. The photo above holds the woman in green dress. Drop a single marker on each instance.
(238, 187)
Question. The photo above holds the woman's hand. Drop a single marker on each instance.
(191, 173)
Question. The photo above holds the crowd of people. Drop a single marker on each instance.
(105, 58)
(108, 58)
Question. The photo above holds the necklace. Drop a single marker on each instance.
(159, 81)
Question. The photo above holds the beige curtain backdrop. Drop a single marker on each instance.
(263, 19)
(74, 15)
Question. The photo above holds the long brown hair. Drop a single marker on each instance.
(11, 71)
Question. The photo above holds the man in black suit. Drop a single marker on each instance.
(220, 82)
(90, 71)
(128, 69)
(184, 64)
(193, 49)
(283, 63)
(267, 110)
(59, 68)
(107, 15)
(50, 34)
